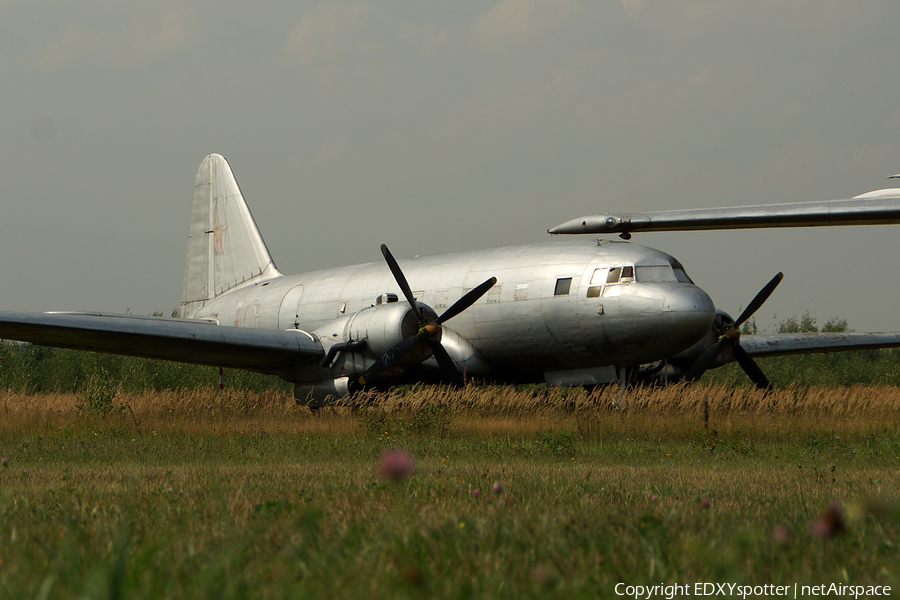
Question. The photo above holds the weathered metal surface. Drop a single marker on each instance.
(518, 338)
(875, 208)
(182, 340)
(225, 248)
(803, 343)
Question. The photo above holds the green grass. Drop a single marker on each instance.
(252, 497)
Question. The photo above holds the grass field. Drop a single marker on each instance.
(195, 495)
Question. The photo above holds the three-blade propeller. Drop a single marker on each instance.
(429, 329)
(730, 335)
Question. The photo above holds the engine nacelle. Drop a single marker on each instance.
(385, 326)
(381, 327)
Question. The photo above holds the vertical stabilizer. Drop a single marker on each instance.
(225, 248)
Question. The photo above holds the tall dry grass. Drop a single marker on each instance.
(493, 409)
(876, 402)
(673, 410)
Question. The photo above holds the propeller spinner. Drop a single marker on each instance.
(729, 334)
(429, 329)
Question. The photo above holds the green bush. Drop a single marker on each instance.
(29, 369)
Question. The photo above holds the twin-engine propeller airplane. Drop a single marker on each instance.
(566, 312)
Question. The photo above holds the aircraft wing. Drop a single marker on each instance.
(779, 344)
(182, 340)
(880, 207)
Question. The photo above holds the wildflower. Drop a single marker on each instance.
(654, 498)
(542, 575)
(830, 523)
(704, 502)
(476, 492)
(781, 534)
(496, 488)
(396, 465)
(4, 461)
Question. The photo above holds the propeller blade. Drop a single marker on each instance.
(429, 330)
(758, 301)
(704, 362)
(730, 335)
(391, 357)
(448, 368)
(400, 278)
(751, 368)
(467, 300)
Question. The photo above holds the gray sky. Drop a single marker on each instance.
(437, 127)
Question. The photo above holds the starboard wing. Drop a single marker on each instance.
(181, 340)
(779, 344)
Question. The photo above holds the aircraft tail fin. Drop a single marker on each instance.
(225, 248)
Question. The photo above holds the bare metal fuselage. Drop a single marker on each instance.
(526, 328)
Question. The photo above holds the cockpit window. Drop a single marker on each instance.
(599, 276)
(655, 273)
(615, 275)
(680, 275)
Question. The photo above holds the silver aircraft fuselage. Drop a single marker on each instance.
(556, 307)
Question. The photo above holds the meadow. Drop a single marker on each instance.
(513, 492)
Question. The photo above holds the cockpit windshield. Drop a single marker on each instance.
(661, 273)
(654, 273)
(680, 274)
(604, 280)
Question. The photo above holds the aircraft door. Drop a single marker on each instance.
(289, 313)
(560, 313)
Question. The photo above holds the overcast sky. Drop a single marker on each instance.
(437, 127)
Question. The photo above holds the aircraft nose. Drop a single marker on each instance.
(689, 300)
(690, 310)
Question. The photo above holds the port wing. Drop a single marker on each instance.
(183, 340)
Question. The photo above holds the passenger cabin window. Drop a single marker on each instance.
(563, 286)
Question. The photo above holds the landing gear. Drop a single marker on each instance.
(625, 376)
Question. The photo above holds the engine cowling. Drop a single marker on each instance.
(384, 326)
(381, 327)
